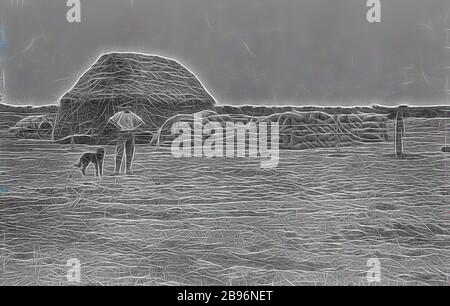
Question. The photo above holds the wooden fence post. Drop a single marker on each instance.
(399, 132)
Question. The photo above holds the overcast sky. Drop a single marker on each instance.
(244, 51)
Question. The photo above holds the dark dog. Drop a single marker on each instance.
(95, 158)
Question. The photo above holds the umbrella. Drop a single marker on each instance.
(126, 120)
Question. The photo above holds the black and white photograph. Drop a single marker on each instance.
(223, 143)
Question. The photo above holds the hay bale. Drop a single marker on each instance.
(155, 88)
(298, 130)
(38, 126)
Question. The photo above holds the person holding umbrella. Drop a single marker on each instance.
(127, 122)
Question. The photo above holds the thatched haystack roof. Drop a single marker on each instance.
(153, 87)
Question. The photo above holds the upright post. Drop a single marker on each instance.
(338, 138)
(2, 85)
(399, 132)
(447, 63)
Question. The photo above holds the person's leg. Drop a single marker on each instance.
(100, 166)
(119, 155)
(129, 153)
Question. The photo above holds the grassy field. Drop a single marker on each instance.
(315, 219)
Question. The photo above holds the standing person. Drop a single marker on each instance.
(127, 122)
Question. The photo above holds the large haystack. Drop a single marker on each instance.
(155, 88)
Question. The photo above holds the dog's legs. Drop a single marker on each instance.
(96, 168)
(100, 166)
(83, 168)
(78, 165)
